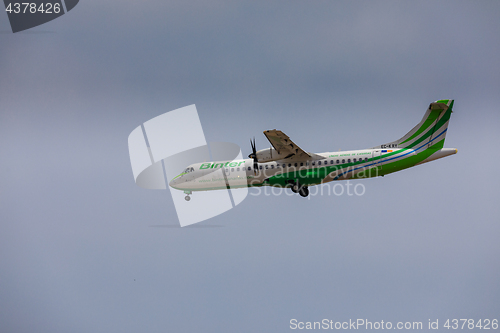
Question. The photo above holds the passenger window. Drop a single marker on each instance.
(238, 169)
(348, 160)
(301, 164)
(354, 160)
(232, 169)
(338, 161)
(319, 163)
(227, 170)
(289, 164)
(366, 158)
(284, 165)
(260, 167)
(267, 166)
(249, 169)
(272, 166)
(331, 161)
(295, 164)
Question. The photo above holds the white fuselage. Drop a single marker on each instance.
(240, 173)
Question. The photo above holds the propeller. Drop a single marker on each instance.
(253, 155)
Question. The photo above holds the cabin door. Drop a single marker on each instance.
(377, 163)
(227, 170)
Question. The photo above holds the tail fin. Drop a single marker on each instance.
(430, 132)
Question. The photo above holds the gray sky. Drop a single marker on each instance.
(83, 249)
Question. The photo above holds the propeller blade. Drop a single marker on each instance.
(253, 155)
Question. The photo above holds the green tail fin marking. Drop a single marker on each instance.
(435, 119)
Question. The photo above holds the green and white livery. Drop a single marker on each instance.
(287, 165)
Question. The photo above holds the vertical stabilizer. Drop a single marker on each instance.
(430, 132)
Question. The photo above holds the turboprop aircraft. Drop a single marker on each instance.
(287, 165)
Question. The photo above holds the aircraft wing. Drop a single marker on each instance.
(284, 146)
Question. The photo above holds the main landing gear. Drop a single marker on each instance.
(304, 191)
(300, 189)
(187, 197)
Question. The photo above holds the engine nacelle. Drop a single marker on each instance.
(269, 155)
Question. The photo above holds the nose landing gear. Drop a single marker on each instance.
(187, 197)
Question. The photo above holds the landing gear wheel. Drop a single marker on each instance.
(187, 197)
(304, 191)
(295, 188)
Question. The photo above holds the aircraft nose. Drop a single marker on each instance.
(174, 182)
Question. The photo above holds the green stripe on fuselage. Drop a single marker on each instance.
(315, 176)
(410, 161)
(179, 175)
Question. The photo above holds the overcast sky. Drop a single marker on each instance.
(83, 249)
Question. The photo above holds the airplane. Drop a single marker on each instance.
(287, 165)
